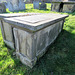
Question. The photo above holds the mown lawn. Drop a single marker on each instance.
(58, 60)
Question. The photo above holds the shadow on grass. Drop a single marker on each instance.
(73, 13)
(45, 9)
(58, 60)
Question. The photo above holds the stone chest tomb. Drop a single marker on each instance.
(63, 5)
(32, 34)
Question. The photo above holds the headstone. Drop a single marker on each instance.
(43, 5)
(15, 5)
(21, 5)
(2, 8)
(36, 4)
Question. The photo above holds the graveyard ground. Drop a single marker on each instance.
(58, 60)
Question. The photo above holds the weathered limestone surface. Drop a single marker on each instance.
(33, 34)
(36, 4)
(7, 30)
(55, 7)
(15, 5)
(21, 4)
(0, 22)
(69, 7)
(33, 46)
(2, 8)
(63, 5)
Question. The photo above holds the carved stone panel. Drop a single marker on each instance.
(8, 31)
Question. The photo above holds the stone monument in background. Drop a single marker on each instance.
(15, 5)
(43, 4)
(2, 8)
(36, 4)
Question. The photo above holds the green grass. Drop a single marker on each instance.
(58, 60)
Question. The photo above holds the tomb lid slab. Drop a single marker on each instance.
(35, 22)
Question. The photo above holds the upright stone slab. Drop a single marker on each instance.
(15, 5)
(69, 7)
(43, 4)
(33, 34)
(21, 5)
(36, 4)
(2, 8)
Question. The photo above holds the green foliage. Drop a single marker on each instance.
(58, 60)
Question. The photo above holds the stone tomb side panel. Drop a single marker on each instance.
(68, 7)
(24, 43)
(7, 29)
(46, 36)
(55, 6)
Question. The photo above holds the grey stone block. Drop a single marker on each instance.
(43, 5)
(15, 5)
(55, 7)
(33, 34)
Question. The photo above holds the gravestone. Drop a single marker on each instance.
(36, 4)
(43, 5)
(2, 8)
(15, 5)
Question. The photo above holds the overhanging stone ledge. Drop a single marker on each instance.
(33, 27)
